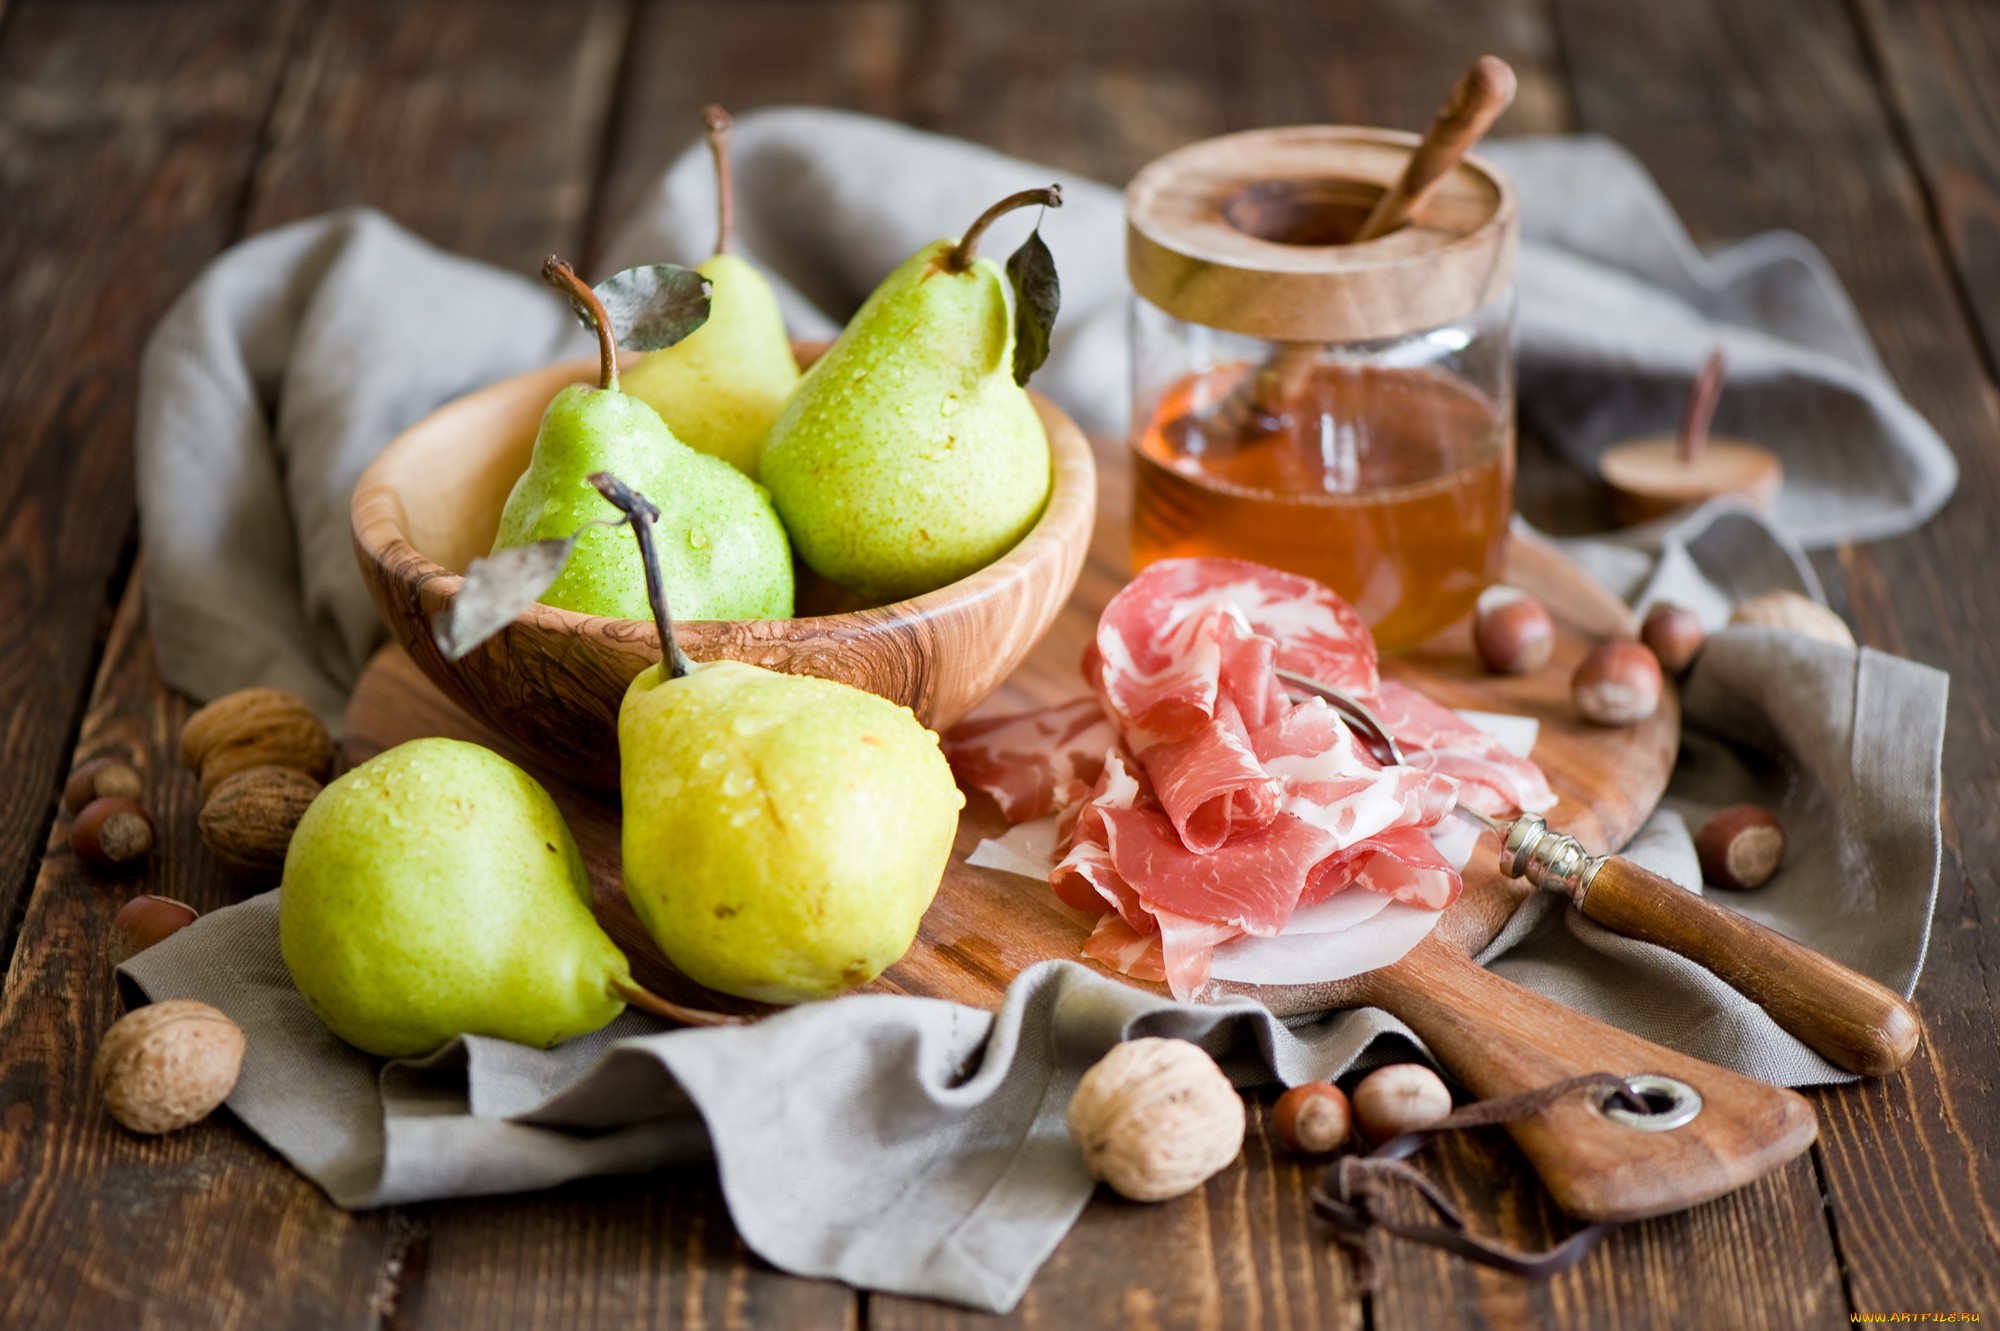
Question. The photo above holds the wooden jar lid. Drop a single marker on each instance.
(1242, 233)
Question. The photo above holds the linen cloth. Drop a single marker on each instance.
(917, 1146)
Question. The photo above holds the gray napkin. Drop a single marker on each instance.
(905, 1144)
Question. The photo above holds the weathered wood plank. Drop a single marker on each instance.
(1757, 1258)
(654, 1250)
(1754, 116)
(99, 1227)
(684, 54)
(1937, 60)
(1387, 62)
(126, 138)
(478, 126)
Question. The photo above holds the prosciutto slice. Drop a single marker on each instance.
(1183, 631)
(1199, 803)
(1491, 778)
(1033, 763)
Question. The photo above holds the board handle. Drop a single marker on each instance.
(1497, 1038)
(1852, 1021)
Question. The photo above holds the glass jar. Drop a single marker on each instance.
(1344, 411)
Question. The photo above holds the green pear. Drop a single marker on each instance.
(783, 834)
(435, 891)
(910, 457)
(724, 552)
(720, 387)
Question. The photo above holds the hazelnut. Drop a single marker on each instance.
(1512, 632)
(100, 777)
(248, 821)
(255, 728)
(144, 921)
(1312, 1119)
(1398, 1099)
(1156, 1118)
(168, 1065)
(1674, 634)
(1618, 684)
(1794, 614)
(111, 832)
(1740, 847)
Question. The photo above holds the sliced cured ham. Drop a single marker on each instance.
(1170, 641)
(1491, 777)
(1032, 763)
(1199, 804)
(1211, 784)
(1252, 883)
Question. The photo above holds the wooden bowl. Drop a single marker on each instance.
(553, 679)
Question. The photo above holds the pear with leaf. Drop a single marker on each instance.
(910, 456)
(724, 555)
(721, 386)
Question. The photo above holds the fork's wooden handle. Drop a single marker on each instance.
(1854, 1022)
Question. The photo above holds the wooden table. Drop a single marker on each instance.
(138, 140)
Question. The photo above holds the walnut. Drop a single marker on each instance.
(248, 821)
(1156, 1118)
(168, 1065)
(255, 728)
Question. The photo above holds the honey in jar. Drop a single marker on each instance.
(1341, 411)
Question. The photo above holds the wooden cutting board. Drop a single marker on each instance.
(1495, 1038)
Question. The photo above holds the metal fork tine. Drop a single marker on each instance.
(1364, 722)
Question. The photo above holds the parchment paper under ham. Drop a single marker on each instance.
(1199, 804)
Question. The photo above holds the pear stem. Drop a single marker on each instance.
(718, 123)
(564, 279)
(962, 253)
(639, 511)
(668, 1010)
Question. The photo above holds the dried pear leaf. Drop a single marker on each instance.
(654, 305)
(496, 589)
(1037, 296)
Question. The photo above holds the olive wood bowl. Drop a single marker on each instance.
(553, 679)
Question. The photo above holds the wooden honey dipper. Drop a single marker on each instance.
(1482, 92)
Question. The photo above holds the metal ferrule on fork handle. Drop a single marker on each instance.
(1551, 860)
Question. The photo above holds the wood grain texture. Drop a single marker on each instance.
(683, 54)
(477, 126)
(99, 1227)
(1497, 1039)
(655, 1251)
(126, 140)
(1759, 1259)
(552, 681)
(1936, 61)
(1797, 135)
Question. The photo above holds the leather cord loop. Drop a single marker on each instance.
(1353, 1193)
